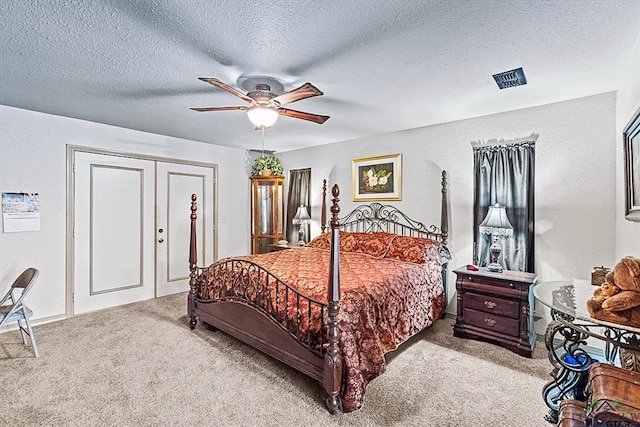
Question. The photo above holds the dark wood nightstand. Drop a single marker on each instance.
(496, 307)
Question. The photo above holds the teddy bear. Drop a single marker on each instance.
(605, 291)
(617, 300)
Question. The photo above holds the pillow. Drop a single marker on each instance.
(374, 244)
(418, 250)
(323, 241)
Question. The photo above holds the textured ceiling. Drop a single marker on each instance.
(383, 66)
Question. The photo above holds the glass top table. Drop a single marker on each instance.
(570, 299)
(566, 341)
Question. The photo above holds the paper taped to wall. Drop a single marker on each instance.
(20, 212)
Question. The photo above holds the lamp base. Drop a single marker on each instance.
(495, 267)
(301, 241)
(495, 250)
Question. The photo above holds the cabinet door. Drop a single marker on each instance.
(268, 210)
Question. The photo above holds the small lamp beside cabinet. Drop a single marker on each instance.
(301, 219)
(497, 224)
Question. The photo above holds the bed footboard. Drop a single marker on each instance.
(242, 282)
(248, 302)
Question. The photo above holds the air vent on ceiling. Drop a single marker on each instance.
(511, 78)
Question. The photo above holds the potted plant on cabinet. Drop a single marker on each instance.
(266, 166)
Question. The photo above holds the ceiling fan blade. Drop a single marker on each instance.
(307, 90)
(316, 118)
(219, 108)
(218, 83)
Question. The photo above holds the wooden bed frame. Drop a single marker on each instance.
(247, 319)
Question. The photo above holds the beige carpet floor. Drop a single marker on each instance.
(141, 365)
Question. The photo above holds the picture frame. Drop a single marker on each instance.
(631, 146)
(377, 178)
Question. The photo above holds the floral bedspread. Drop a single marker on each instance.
(383, 302)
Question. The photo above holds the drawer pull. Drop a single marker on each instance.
(489, 322)
(489, 304)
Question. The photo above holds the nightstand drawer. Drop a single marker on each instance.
(491, 322)
(485, 285)
(490, 304)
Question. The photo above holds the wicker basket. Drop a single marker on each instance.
(598, 274)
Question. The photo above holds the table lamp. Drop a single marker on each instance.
(301, 218)
(496, 224)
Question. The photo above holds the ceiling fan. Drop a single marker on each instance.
(265, 106)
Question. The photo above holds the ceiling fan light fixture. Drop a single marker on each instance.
(265, 106)
(262, 117)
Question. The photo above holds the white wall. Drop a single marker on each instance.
(577, 150)
(627, 232)
(574, 181)
(33, 159)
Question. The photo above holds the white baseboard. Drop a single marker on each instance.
(13, 326)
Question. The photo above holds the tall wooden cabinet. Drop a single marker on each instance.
(267, 212)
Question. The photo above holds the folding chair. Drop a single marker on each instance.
(17, 311)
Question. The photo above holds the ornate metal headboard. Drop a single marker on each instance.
(374, 217)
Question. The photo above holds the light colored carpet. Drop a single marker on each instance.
(141, 365)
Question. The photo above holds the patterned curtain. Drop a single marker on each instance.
(299, 194)
(504, 174)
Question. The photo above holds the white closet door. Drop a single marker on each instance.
(175, 185)
(114, 235)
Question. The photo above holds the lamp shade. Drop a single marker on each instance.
(262, 117)
(496, 222)
(302, 216)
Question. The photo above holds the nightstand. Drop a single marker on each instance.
(496, 307)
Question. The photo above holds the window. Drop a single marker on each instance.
(504, 174)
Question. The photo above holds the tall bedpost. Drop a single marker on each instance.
(332, 358)
(444, 215)
(323, 213)
(444, 230)
(193, 263)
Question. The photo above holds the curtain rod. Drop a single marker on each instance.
(494, 142)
